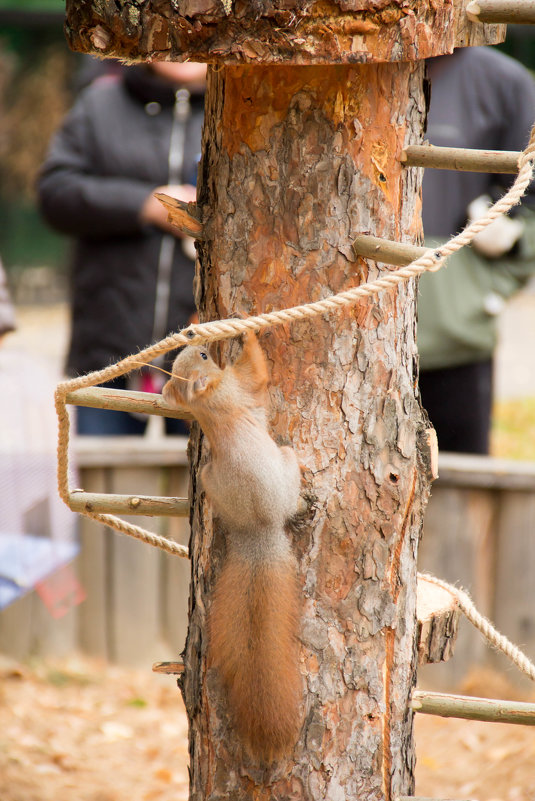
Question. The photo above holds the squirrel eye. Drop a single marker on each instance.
(204, 355)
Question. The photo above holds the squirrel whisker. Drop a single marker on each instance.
(155, 367)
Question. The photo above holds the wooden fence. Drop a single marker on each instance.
(136, 606)
(479, 533)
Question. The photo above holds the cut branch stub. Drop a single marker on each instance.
(185, 216)
(274, 32)
(438, 620)
(168, 668)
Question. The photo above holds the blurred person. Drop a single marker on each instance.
(480, 99)
(132, 273)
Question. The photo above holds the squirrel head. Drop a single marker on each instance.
(194, 376)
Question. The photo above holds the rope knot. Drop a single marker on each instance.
(433, 261)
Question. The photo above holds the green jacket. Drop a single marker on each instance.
(458, 306)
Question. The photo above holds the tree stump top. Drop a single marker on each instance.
(274, 31)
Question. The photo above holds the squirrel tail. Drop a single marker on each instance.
(253, 627)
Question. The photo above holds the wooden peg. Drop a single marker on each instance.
(185, 216)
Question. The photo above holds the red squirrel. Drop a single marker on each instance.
(253, 486)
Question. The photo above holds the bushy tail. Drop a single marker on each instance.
(253, 627)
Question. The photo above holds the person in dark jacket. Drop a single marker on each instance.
(480, 99)
(132, 275)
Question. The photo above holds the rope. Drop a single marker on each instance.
(492, 635)
(114, 522)
(431, 261)
(142, 534)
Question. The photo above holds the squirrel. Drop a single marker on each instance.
(253, 486)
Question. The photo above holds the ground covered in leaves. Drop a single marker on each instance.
(80, 730)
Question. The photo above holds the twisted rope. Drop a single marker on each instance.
(482, 624)
(165, 544)
(430, 261)
(112, 521)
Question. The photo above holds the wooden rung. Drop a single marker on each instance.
(458, 158)
(103, 503)
(386, 251)
(462, 706)
(521, 12)
(122, 400)
(169, 668)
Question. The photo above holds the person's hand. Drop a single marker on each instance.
(154, 213)
(499, 236)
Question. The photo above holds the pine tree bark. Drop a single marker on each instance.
(296, 162)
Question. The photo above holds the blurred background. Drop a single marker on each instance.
(74, 675)
(39, 77)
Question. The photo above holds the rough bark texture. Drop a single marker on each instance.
(274, 31)
(297, 161)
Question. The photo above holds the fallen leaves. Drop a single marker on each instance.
(86, 730)
(81, 729)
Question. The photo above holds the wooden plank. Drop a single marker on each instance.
(457, 469)
(176, 572)
(490, 710)
(106, 503)
(514, 606)
(16, 628)
(458, 158)
(134, 581)
(26, 627)
(125, 401)
(457, 546)
(18, 625)
(53, 637)
(132, 451)
(95, 546)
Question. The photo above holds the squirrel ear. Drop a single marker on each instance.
(197, 387)
(200, 384)
(172, 392)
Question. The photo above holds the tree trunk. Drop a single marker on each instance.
(296, 162)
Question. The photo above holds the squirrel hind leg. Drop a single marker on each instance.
(293, 477)
(253, 626)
